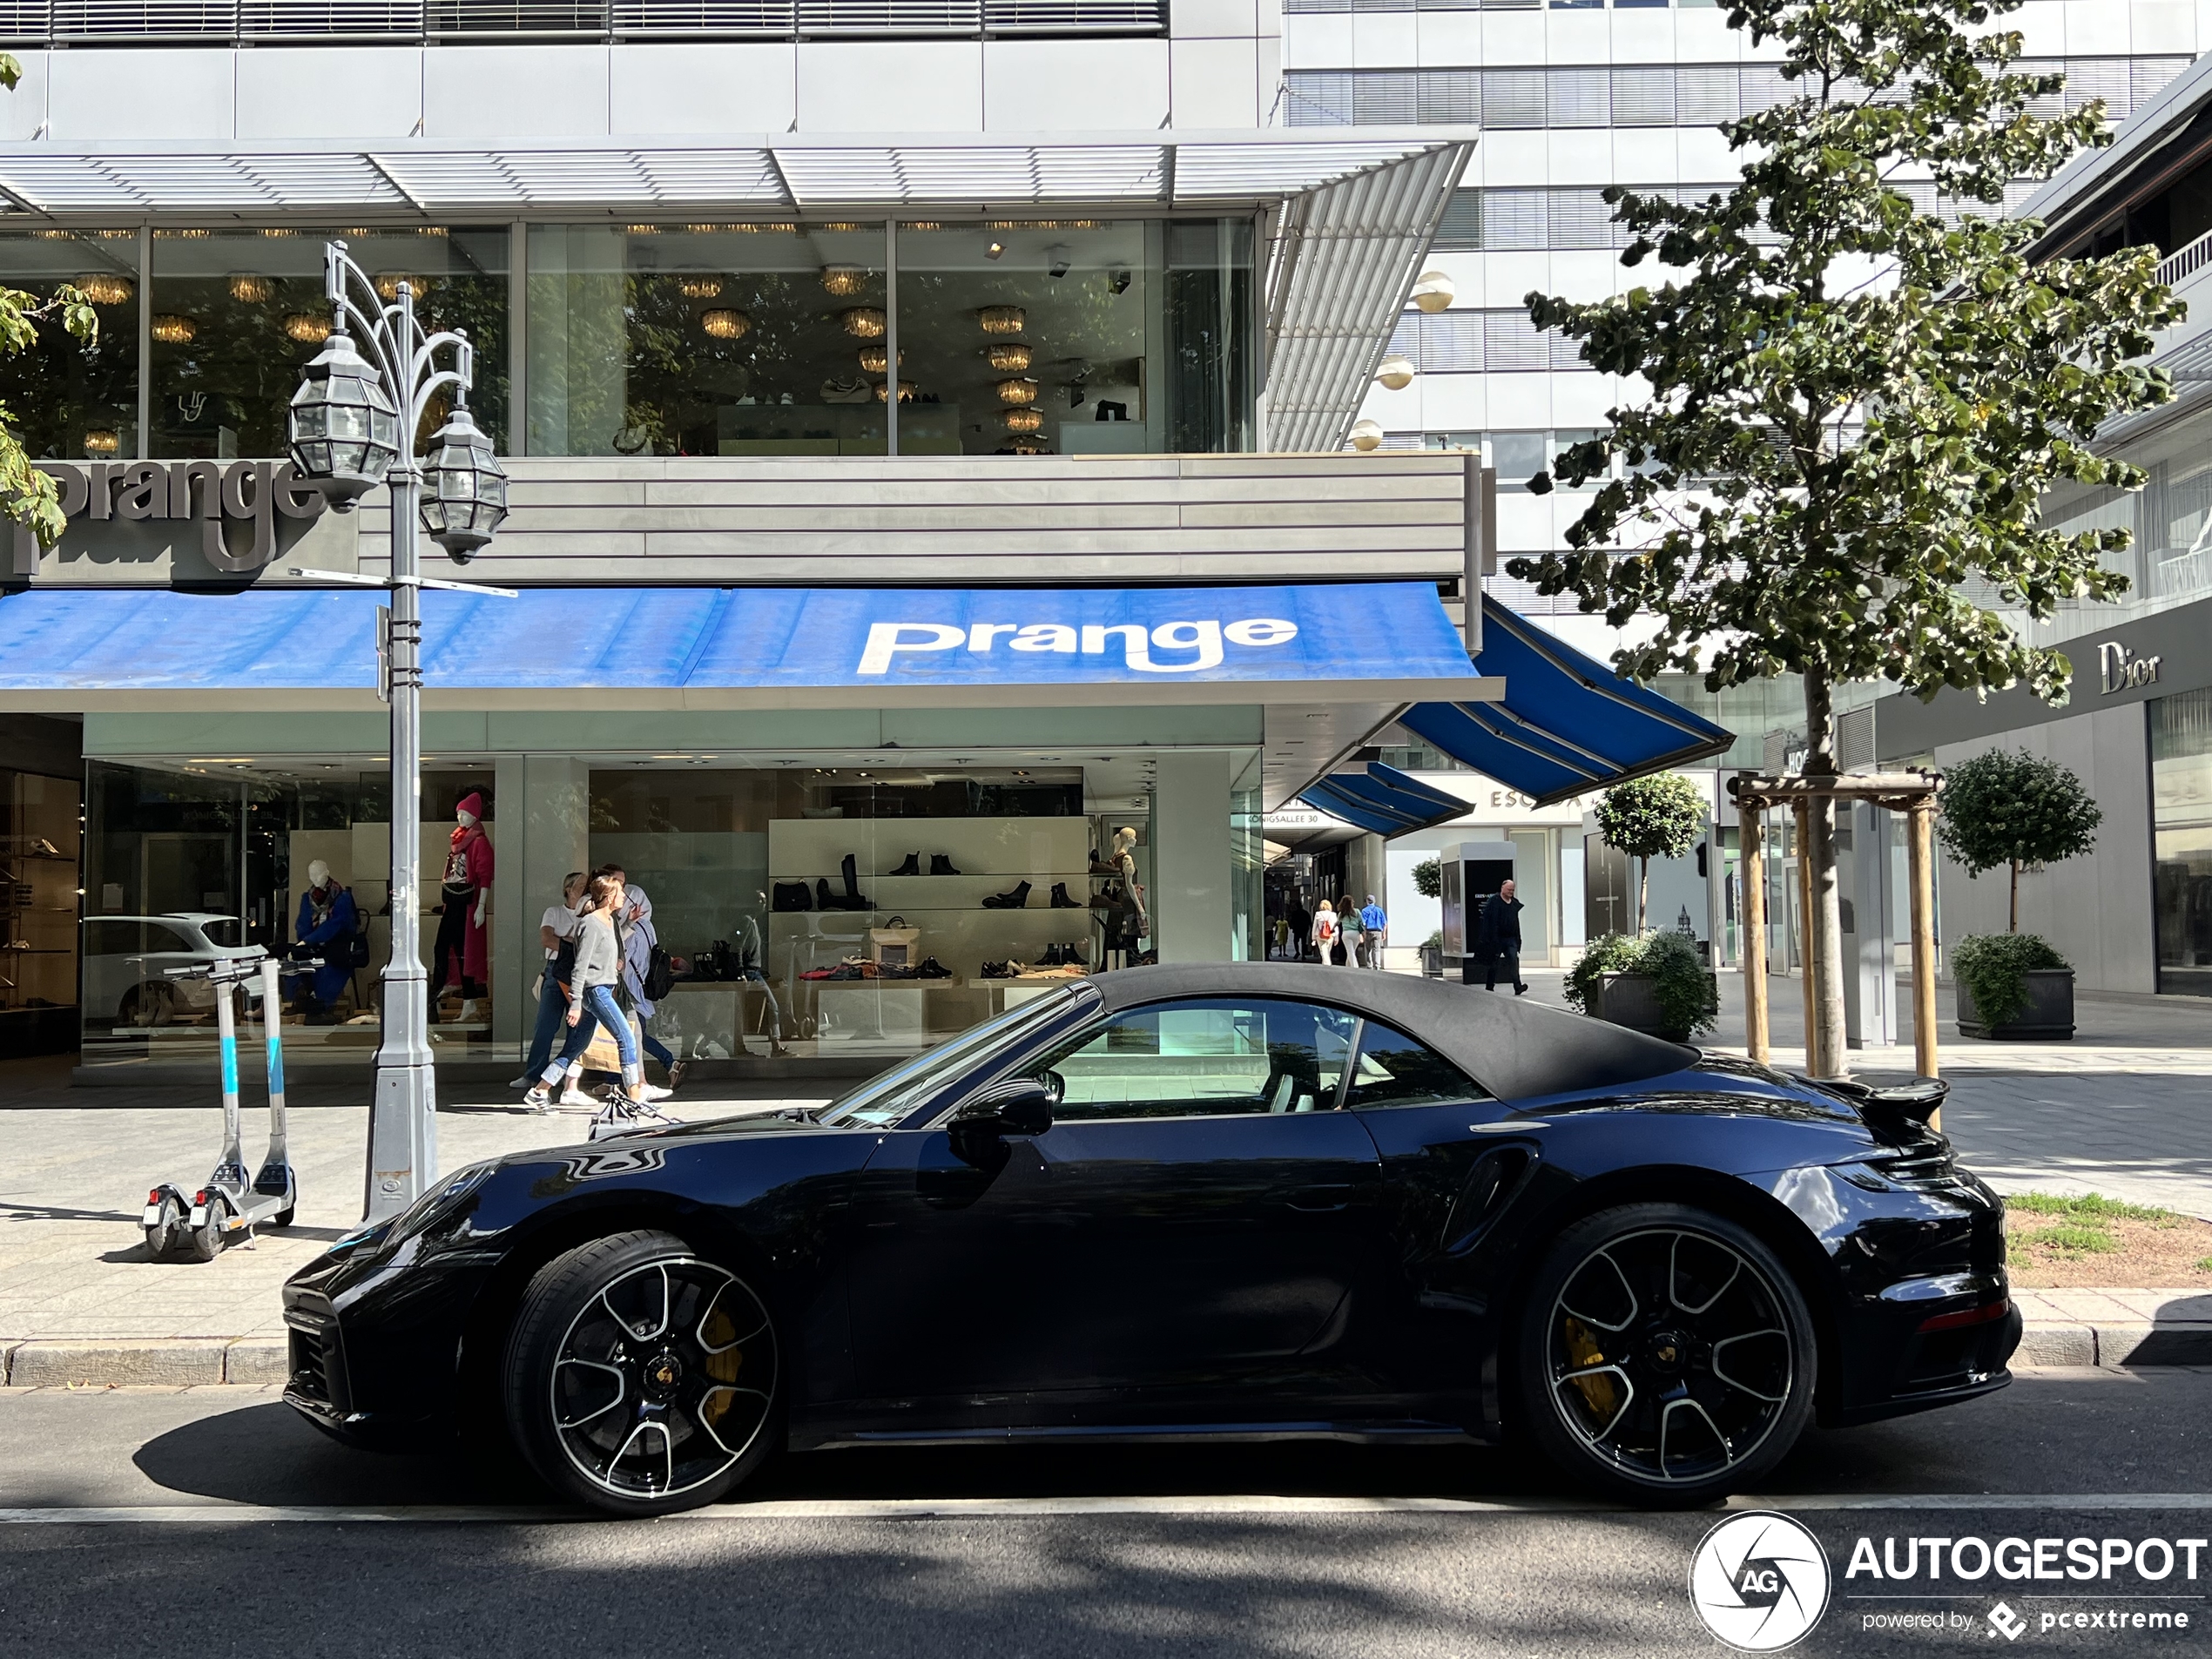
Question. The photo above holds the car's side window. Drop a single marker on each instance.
(160, 940)
(1204, 1057)
(1394, 1070)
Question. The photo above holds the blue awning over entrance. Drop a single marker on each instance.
(1567, 724)
(1383, 800)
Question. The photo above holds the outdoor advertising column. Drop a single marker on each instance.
(1191, 900)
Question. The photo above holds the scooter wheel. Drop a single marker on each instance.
(204, 1242)
(283, 1218)
(164, 1234)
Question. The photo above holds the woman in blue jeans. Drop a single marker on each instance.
(591, 990)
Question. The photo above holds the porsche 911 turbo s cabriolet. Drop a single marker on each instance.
(1230, 1201)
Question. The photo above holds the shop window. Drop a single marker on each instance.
(2180, 756)
(39, 835)
(1206, 1058)
(68, 400)
(236, 316)
(718, 339)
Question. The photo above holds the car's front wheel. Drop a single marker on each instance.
(1665, 1355)
(641, 1378)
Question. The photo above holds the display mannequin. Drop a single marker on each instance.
(325, 929)
(465, 892)
(1134, 923)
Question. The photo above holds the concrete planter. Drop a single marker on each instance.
(1432, 961)
(1633, 999)
(2048, 1016)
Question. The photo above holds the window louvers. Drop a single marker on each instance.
(1461, 229)
(1516, 221)
(1644, 97)
(210, 21)
(1578, 97)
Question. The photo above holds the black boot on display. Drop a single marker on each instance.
(822, 898)
(1051, 957)
(1060, 899)
(1016, 899)
(941, 864)
(911, 866)
(853, 899)
(932, 968)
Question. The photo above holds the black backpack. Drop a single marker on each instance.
(660, 975)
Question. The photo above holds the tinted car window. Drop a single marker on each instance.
(1394, 1070)
(228, 932)
(886, 1098)
(161, 939)
(1204, 1057)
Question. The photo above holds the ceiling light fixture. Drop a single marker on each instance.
(1009, 358)
(106, 287)
(251, 287)
(698, 287)
(1366, 435)
(1023, 420)
(1432, 292)
(907, 390)
(725, 322)
(172, 330)
(1395, 373)
(305, 327)
(864, 323)
(844, 281)
(1001, 319)
(876, 360)
(1017, 394)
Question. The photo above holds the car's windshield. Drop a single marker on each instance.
(889, 1096)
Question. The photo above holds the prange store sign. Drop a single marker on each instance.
(138, 521)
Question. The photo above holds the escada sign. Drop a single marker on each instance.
(252, 495)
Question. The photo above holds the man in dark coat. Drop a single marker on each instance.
(1502, 935)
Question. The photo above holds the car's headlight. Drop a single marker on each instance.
(425, 1212)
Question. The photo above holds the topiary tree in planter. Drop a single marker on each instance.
(2018, 810)
(1658, 817)
(1682, 988)
(1428, 878)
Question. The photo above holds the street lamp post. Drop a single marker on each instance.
(352, 426)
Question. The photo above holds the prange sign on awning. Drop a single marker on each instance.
(890, 644)
(1383, 800)
(1566, 723)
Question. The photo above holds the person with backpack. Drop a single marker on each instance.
(329, 926)
(596, 972)
(1325, 933)
(646, 975)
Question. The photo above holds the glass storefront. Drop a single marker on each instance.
(814, 907)
(236, 313)
(40, 827)
(2181, 762)
(707, 340)
(1014, 337)
(68, 400)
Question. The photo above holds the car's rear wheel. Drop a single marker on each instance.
(641, 1378)
(1665, 1355)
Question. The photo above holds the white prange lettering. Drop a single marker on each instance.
(1044, 635)
(1261, 630)
(1205, 638)
(980, 637)
(887, 637)
(1133, 637)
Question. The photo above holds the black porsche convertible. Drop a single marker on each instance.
(1242, 1201)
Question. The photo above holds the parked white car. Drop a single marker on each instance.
(127, 960)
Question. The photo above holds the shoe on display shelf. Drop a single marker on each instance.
(911, 866)
(1015, 898)
(1060, 899)
(941, 864)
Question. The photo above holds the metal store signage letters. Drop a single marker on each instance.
(216, 493)
(2118, 671)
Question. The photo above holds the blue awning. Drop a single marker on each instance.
(1383, 800)
(1567, 724)
(890, 643)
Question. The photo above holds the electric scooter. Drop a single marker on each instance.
(196, 1229)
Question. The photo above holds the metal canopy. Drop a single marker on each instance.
(761, 173)
(1567, 724)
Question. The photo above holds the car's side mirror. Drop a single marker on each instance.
(1015, 1106)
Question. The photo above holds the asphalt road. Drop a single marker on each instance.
(211, 1522)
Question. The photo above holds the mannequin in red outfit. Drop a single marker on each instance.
(466, 905)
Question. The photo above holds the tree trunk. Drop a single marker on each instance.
(1643, 892)
(2013, 927)
(1825, 1041)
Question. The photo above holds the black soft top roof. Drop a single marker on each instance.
(1513, 1048)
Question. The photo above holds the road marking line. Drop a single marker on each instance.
(962, 1508)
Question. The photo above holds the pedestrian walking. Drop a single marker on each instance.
(1350, 931)
(1374, 925)
(1301, 925)
(591, 1000)
(556, 930)
(1324, 930)
(638, 943)
(1501, 928)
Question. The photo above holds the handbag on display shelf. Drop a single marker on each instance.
(791, 895)
(892, 944)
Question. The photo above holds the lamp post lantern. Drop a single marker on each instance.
(352, 425)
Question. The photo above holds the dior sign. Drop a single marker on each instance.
(177, 521)
(2120, 670)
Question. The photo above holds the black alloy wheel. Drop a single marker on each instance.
(641, 1378)
(1665, 1355)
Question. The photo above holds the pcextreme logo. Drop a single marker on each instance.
(1760, 1582)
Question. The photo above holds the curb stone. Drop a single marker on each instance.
(125, 1362)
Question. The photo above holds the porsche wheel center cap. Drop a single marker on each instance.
(1668, 1351)
(664, 1375)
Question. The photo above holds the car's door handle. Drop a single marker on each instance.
(1334, 1196)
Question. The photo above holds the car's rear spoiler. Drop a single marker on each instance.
(1896, 1103)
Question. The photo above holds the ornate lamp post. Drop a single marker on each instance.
(352, 426)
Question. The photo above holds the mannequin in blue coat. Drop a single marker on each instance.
(325, 928)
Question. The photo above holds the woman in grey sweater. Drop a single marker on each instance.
(591, 993)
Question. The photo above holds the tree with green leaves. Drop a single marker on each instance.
(2015, 809)
(1854, 406)
(1657, 817)
(28, 495)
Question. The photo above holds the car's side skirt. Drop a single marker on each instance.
(1393, 1434)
